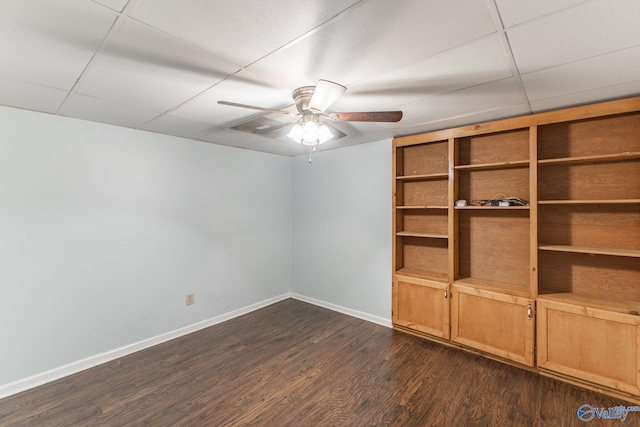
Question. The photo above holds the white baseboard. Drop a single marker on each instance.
(344, 310)
(75, 367)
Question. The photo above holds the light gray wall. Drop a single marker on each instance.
(341, 247)
(104, 230)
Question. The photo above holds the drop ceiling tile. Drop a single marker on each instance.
(466, 120)
(50, 42)
(471, 64)
(117, 5)
(356, 139)
(358, 130)
(251, 28)
(376, 37)
(440, 62)
(514, 12)
(592, 29)
(98, 110)
(623, 90)
(145, 68)
(243, 88)
(605, 70)
(30, 96)
(466, 102)
(234, 138)
(283, 148)
(179, 127)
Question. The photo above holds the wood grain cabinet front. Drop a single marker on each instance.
(598, 346)
(422, 305)
(494, 323)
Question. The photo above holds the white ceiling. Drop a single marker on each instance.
(162, 65)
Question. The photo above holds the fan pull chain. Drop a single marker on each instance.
(312, 149)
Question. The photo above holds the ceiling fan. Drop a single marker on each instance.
(312, 102)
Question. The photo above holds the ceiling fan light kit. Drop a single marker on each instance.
(309, 131)
(311, 102)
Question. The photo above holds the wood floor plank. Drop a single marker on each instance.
(295, 364)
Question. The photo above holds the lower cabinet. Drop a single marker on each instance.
(493, 322)
(598, 346)
(595, 345)
(422, 305)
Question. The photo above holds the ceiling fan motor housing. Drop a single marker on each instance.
(302, 97)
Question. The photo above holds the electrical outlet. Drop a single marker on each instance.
(191, 299)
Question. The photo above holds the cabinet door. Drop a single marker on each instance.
(493, 322)
(422, 305)
(595, 345)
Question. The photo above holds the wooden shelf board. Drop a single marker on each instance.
(422, 207)
(590, 202)
(425, 235)
(423, 177)
(633, 253)
(488, 285)
(473, 207)
(428, 275)
(620, 306)
(591, 159)
(500, 165)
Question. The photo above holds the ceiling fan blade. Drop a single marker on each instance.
(325, 94)
(253, 107)
(371, 116)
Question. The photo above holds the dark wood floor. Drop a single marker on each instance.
(295, 364)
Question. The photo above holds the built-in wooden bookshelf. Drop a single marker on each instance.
(421, 241)
(492, 251)
(589, 197)
(504, 280)
(421, 205)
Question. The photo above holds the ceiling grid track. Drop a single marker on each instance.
(311, 32)
(502, 34)
(117, 24)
